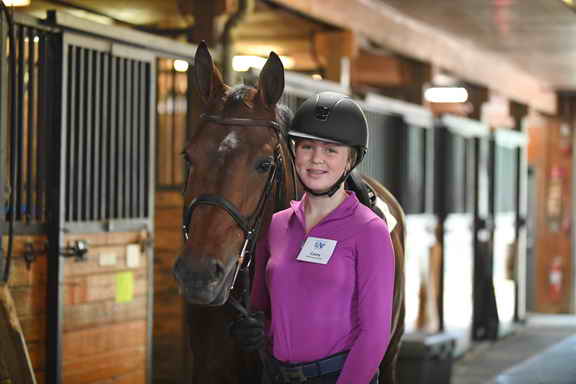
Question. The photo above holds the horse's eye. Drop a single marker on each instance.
(264, 165)
(186, 159)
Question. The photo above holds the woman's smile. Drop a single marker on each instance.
(320, 164)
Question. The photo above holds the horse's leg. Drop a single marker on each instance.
(216, 357)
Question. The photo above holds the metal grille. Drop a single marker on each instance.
(506, 186)
(172, 112)
(29, 139)
(456, 167)
(108, 136)
(292, 101)
(381, 132)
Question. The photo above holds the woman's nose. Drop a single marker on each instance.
(317, 156)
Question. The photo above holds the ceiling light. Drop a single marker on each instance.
(287, 62)
(446, 95)
(244, 63)
(180, 65)
(16, 3)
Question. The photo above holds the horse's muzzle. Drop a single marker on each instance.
(201, 281)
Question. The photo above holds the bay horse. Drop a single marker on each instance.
(239, 172)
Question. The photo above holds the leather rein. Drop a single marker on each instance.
(250, 225)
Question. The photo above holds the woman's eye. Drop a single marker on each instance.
(264, 165)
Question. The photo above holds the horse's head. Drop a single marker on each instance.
(233, 166)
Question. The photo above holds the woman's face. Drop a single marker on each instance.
(320, 164)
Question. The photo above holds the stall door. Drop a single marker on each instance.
(459, 190)
(101, 282)
(506, 176)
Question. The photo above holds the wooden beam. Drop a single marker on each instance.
(380, 70)
(205, 15)
(331, 48)
(410, 37)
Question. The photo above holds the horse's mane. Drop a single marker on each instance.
(284, 116)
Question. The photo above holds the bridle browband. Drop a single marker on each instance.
(250, 225)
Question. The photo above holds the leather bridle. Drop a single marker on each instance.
(252, 224)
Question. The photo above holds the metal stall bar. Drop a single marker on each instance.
(18, 156)
(111, 160)
(58, 122)
(96, 79)
(131, 148)
(104, 116)
(81, 134)
(4, 173)
(89, 150)
(521, 230)
(150, 120)
(31, 153)
(43, 92)
(121, 128)
(71, 121)
(142, 122)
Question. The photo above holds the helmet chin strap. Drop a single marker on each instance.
(330, 191)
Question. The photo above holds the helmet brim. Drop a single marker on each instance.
(312, 137)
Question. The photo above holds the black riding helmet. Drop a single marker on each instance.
(335, 118)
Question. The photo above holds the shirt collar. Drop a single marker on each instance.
(345, 209)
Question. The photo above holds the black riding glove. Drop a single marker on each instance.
(249, 332)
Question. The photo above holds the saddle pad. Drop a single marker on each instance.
(390, 219)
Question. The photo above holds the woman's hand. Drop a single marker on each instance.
(249, 331)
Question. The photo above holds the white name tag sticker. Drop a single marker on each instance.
(317, 250)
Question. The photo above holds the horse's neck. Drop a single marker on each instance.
(292, 189)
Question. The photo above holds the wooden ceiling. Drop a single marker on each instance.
(535, 35)
(496, 43)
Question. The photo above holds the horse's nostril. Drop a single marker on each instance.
(218, 269)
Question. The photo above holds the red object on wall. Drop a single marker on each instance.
(555, 277)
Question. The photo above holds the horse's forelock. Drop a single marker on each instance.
(240, 94)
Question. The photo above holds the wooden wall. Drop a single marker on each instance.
(549, 153)
(105, 309)
(169, 339)
(105, 301)
(28, 289)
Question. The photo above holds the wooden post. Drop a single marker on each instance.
(15, 366)
(335, 51)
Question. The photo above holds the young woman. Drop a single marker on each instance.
(324, 275)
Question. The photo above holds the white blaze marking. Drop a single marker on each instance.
(229, 143)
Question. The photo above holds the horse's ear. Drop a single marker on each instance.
(207, 77)
(271, 81)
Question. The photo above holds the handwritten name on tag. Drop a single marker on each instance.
(317, 250)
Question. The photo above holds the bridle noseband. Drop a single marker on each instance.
(250, 225)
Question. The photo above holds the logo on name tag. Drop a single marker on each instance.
(317, 250)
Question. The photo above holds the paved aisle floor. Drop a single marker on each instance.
(519, 358)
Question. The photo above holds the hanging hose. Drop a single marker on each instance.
(14, 165)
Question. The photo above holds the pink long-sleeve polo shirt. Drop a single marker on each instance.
(316, 310)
